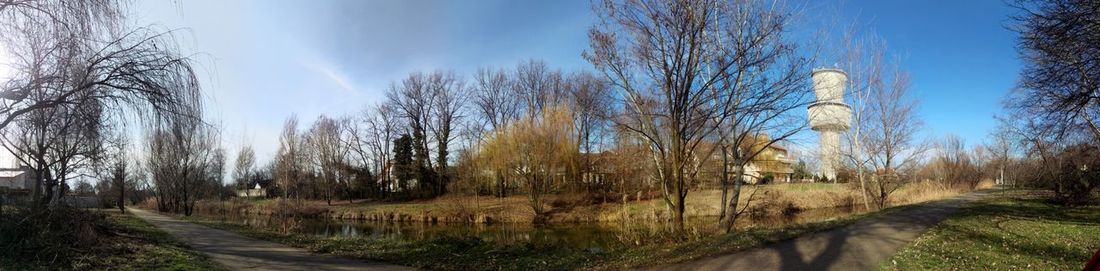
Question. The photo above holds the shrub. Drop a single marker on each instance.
(1076, 176)
(47, 239)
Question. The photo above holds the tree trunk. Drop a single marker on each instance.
(737, 184)
(122, 197)
(725, 184)
(678, 214)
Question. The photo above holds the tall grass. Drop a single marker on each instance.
(47, 238)
(927, 190)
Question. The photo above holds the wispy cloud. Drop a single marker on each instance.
(333, 75)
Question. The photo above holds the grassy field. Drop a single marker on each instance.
(117, 242)
(1006, 233)
(476, 254)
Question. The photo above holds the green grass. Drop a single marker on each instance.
(141, 246)
(1006, 234)
(475, 254)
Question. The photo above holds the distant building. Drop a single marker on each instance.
(255, 189)
(17, 179)
(772, 162)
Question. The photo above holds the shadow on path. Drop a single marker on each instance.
(859, 246)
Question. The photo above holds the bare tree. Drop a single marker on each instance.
(1059, 89)
(288, 160)
(245, 167)
(414, 99)
(69, 52)
(1001, 148)
(56, 142)
(673, 62)
(537, 86)
(496, 103)
(864, 60)
(114, 171)
(494, 99)
(184, 162)
(891, 143)
(959, 164)
(324, 139)
(760, 98)
(430, 104)
(449, 94)
(84, 57)
(382, 124)
(591, 101)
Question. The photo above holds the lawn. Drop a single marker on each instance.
(1006, 233)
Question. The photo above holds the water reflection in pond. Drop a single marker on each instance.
(592, 236)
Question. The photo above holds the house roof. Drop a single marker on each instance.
(11, 173)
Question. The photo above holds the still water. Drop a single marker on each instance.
(592, 236)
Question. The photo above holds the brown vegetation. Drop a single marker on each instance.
(766, 200)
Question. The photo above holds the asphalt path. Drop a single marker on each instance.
(237, 252)
(862, 245)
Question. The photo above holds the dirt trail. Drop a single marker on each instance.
(243, 253)
(859, 246)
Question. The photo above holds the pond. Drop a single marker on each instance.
(591, 236)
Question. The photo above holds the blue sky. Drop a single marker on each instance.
(265, 60)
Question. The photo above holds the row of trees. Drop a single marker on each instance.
(685, 92)
(403, 146)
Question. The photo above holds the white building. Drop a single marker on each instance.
(254, 192)
(17, 178)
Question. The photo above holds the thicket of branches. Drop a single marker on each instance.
(1055, 109)
(79, 67)
(80, 70)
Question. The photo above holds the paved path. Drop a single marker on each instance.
(859, 246)
(243, 253)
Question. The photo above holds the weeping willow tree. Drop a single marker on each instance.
(536, 150)
(86, 54)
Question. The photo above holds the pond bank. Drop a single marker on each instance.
(768, 200)
(473, 253)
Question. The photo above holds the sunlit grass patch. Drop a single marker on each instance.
(138, 245)
(1006, 234)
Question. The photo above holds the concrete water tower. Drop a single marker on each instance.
(829, 116)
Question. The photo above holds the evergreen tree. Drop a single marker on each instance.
(403, 167)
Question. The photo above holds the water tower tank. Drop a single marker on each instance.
(829, 116)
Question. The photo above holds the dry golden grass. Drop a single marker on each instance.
(760, 200)
(923, 191)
